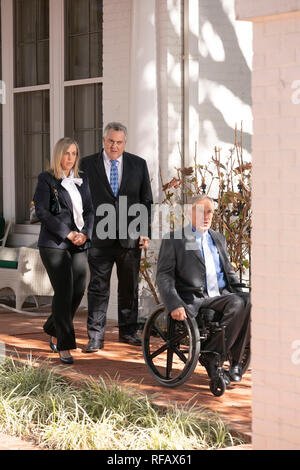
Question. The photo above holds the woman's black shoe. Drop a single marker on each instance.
(66, 360)
(52, 345)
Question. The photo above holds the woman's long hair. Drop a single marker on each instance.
(59, 151)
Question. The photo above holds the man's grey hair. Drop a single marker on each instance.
(115, 126)
(198, 197)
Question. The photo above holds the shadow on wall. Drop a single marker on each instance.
(221, 90)
(226, 68)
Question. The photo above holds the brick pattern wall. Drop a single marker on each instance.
(276, 234)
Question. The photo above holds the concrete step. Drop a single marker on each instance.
(23, 235)
(26, 228)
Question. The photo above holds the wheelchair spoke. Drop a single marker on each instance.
(169, 363)
(169, 348)
(179, 338)
(159, 351)
(159, 331)
(180, 355)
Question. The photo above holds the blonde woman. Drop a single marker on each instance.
(64, 206)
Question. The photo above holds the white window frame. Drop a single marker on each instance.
(56, 87)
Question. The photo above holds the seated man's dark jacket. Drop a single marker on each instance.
(135, 185)
(55, 228)
(181, 270)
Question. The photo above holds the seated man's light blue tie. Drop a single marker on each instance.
(114, 177)
(211, 275)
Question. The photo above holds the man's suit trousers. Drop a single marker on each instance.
(233, 312)
(101, 261)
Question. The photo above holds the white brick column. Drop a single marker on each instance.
(142, 79)
(276, 222)
(143, 112)
(169, 16)
(116, 60)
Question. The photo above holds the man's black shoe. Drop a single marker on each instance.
(130, 339)
(226, 378)
(235, 373)
(94, 345)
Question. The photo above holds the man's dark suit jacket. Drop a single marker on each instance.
(181, 270)
(135, 184)
(55, 228)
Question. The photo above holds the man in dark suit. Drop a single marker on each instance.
(194, 272)
(120, 187)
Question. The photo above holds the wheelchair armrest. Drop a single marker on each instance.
(198, 290)
(241, 285)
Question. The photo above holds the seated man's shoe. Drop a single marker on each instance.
(235, 372)
(94, 345)
(130, 339)
(208, 360)
(226, 378)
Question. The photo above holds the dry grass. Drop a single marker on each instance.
(38, 403)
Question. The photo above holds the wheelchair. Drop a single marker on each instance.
(172, 348)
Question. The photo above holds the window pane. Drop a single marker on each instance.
(33, 147)
(43, 61)
(43, 20)
(31, 30)
(83, 39)
(33, 110)
(31, 144)
(96, 55)
(78, 16)
(83, 116)
(96, 16)
(26, 65)
(84, 112)
(79, 57)
(25, 12)
(87, 141)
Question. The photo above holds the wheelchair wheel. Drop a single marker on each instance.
(171, 348)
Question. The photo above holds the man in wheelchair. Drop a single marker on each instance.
(194, 273)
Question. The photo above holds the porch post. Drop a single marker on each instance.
(9, 207)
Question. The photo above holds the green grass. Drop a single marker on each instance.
(37, 402)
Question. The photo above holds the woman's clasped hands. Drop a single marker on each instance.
(77, 238)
